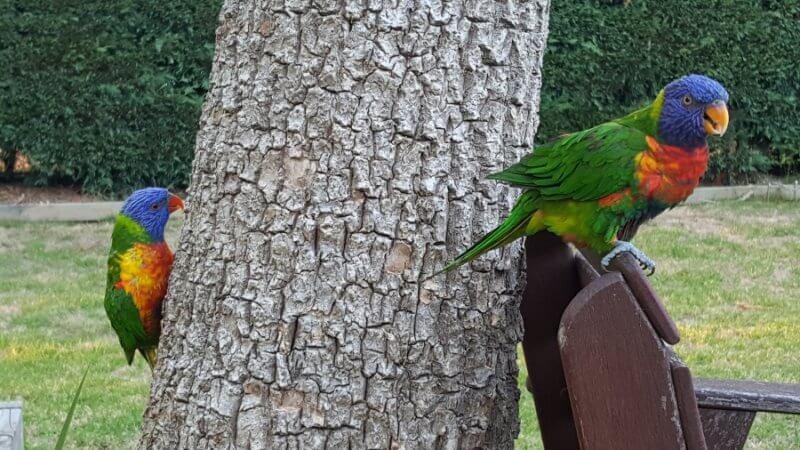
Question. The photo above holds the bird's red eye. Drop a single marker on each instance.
(154, 206)
(687, 100)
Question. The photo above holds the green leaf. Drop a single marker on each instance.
(62, 437)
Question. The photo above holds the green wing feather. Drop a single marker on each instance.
(125, 320)
(119, 305)
(512, 228)
(582, 166)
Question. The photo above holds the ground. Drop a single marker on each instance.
(18, 193)
(729, 274)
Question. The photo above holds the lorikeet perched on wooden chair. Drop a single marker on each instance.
(138, 270)
(595, 187)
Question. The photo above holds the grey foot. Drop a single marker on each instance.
(624, 246)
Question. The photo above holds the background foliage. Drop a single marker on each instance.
(605, 58)
(102, 93)
(107, 94)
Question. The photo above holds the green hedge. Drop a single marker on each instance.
(105, 94)
(605, 58)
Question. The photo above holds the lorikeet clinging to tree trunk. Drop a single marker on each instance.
(138, 271)
(595, 187)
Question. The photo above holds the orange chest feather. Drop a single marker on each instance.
(669, 174)
(144, 273)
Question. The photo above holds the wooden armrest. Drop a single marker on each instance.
(748, 395)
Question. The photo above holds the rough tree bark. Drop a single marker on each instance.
(340, 161)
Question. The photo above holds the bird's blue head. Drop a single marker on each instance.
(150, 208)
(694, 107)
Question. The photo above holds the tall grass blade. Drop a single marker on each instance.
(62, 437)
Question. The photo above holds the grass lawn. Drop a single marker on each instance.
(728, 272)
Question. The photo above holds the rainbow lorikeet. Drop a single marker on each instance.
(595, 187)
(139, 264)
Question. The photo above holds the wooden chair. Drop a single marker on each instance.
(601, 370)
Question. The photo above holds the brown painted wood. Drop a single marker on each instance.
(648, 300)
(748, 395)
(586, 271)
(726, 429)
(645, 294)
(691, 424)
(618, 372)
(593, 258)
(552, 283)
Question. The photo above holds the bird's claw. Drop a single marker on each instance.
(624, 246)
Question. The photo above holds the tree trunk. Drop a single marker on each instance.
(341, 160)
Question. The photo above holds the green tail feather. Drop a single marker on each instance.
(511, 229)
(150, 355)
(129, 354)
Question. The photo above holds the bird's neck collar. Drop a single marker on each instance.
(646, 119)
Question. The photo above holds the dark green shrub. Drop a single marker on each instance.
(605, 58)
(106, 94)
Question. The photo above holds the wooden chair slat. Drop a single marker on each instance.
(586, 272)
(687, 404)
(649, 301)
(552, 284)
(618, 374)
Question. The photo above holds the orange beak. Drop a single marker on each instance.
(174, 203)
(715, 119)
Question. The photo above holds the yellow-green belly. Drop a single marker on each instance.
(581, 223)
